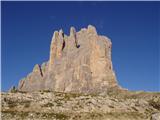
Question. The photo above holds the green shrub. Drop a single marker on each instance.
(13, 89)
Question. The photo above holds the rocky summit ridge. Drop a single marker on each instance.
(80, 62)
(77, 83)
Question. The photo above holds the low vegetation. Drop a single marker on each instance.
(155, 103)
(50, 105)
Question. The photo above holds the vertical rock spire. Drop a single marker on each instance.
(56, 46)
(60, 43)
(74, 69)
(72, 42)
(53, 48)
(73, 32)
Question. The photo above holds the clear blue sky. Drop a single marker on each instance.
(133, 27)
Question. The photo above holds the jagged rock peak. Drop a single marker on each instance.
(92, 29)
(89, 29)
(61, 31)
(55, 35)
(72, 31)
(61, 34)
(83, 29)
(80, 62)
(36, 68)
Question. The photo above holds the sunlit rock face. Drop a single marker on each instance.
(80, 62)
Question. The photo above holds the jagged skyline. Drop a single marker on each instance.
(27, 28)
(84, 69)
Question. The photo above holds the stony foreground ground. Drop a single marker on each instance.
(113, 105)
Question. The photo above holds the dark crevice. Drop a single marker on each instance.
(63, 45)
(76, 42)
(78, 46)
(63, 35)
(40, 70)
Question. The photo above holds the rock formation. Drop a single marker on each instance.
(77, 83)
(80, 62)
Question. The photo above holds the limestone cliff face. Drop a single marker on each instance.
(80, 62)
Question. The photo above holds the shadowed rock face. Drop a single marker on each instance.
(80, 62)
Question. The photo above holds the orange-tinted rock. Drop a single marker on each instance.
(80, 62)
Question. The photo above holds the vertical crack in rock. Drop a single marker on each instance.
(37, 69)
(80, 62)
